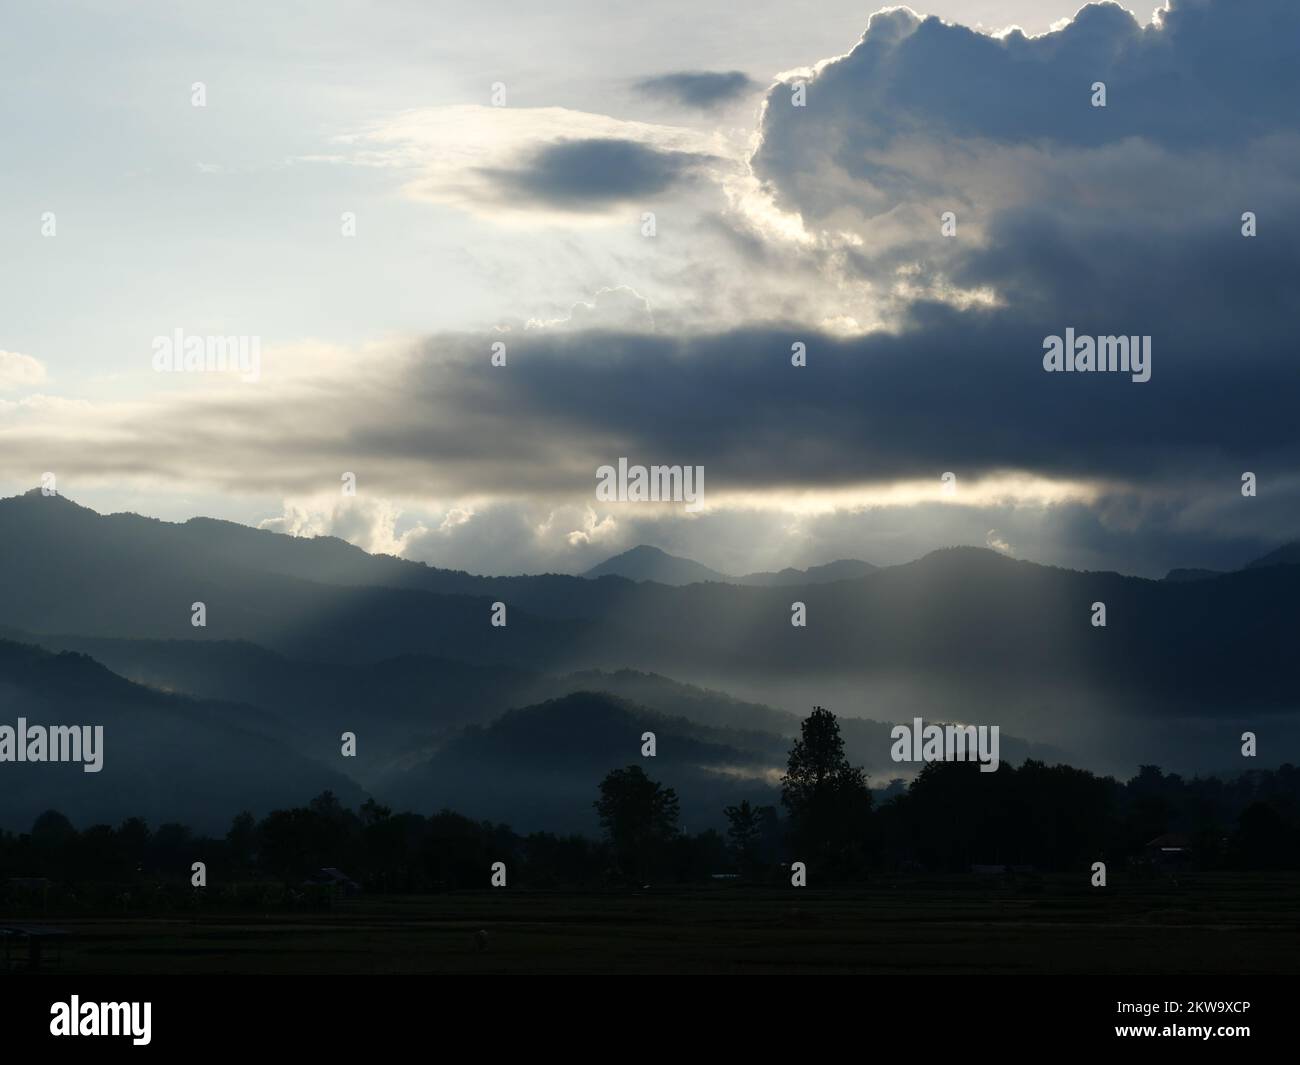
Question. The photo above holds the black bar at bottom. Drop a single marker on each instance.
(333, 1014)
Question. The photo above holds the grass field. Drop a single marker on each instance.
(1202, 924)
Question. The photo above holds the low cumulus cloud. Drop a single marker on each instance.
(1124, 530)
(1050, 195)
(18, 371)
(368, 522)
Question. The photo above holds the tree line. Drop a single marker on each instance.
(950, 818)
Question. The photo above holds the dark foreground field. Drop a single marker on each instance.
(1201, 924)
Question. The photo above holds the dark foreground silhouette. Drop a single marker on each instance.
(1037, 868)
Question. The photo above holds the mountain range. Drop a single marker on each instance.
(645, 563)
(309, 638)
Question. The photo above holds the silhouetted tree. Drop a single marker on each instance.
(328, 806)
(742, 830)
(241, 840)
(1053, 818)
(51, 829)
(751, 831)
(373, 813)
(53, 842)
(828, 799)
(639, 816)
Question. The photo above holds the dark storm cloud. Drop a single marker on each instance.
(597, 171)
(699, 88)
(953, 391)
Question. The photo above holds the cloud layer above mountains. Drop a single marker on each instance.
(923, 350)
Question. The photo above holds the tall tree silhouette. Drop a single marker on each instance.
(639, 816)
(827, 798)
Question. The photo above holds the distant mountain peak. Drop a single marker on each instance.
(645, 551)
(646, 563)
(39, 495)
(964, 555)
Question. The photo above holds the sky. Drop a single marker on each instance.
(377, 193)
